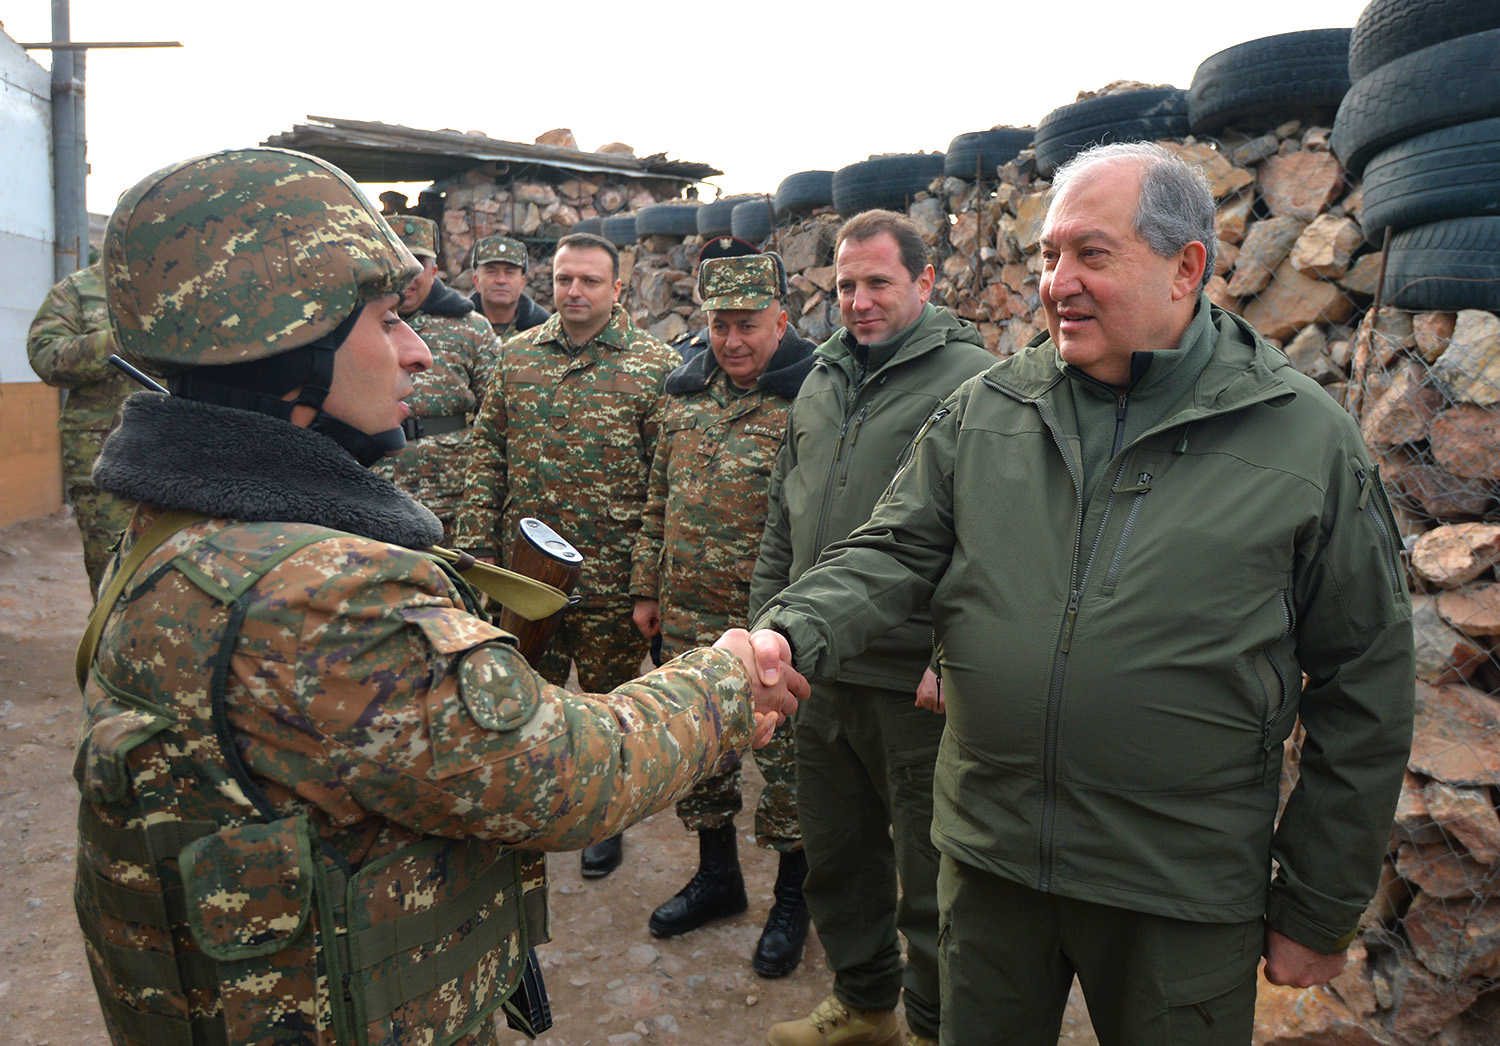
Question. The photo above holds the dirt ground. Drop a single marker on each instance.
(609, 980)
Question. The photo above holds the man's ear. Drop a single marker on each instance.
(1188, 278)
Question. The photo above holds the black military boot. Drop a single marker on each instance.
(716, 891)
(602, 858)
(780, 947)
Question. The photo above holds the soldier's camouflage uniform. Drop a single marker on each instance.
(700, 535)
(69, 346)
(464, 351)
(568, 439)
(368, 710)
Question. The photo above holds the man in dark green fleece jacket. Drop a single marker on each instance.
(865, 748)
(1136, 536)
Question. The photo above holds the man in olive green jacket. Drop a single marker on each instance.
(865, 749)
(1135, 536)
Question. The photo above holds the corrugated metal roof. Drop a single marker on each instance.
(379, 152)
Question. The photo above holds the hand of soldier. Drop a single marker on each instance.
(1296, 965)
(930, 693)
(647, 617)
(775, 685)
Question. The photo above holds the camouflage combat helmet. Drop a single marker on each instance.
(242, 255)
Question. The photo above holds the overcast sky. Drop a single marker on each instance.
(759, 91)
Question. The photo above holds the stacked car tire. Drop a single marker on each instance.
(884, 181)
(1258, 84)
(1421, 123)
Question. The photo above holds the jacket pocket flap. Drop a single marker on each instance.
(100, 766)
(249, 889)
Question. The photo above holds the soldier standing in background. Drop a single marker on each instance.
(464, 349)
(69, 346)
(723, 421)
(566, 434)
(500, 266)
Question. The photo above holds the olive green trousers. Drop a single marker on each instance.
(1008, 955)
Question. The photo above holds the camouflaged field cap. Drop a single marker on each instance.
(242, 255)
(419, 234)
(501, 249)
(738, 283)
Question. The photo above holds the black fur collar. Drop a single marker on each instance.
(237, 464)
(443, 300)
(790, 363)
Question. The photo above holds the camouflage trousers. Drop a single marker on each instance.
(101, 517)
(604, 643)
(715, 801)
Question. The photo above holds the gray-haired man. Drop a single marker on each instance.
(1136, 537)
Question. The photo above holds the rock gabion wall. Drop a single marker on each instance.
(536, 210)
(1294, 260)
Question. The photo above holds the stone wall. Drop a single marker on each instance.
(538, 209)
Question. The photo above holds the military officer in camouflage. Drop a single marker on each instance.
(566, 434)
(725, 415)
(307, 758)
(500, 266)
(431, 466)
(69, 346)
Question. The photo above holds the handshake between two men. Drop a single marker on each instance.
(776, 687)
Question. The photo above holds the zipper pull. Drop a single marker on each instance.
(1072, 619)
(1142, 485)
(1366, 484)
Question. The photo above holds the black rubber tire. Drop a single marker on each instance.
(804, 192)
(667, 219)
(589, 225)
(1457, 81)
(1450, 173)
(1389, 29)
(1133, 116)
(714, 218)
(1261, 83)
(1445, 266)
(619, 230)
(751, 221)
(983, 151)
(884, 182)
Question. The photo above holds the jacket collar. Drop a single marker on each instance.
(789, 365)
(443, 300)
(236, 464)
(936, 328)
(1241, 372)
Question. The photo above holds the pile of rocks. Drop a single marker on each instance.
(537, 210)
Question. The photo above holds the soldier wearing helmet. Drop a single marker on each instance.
(431, 466)
(308, 760)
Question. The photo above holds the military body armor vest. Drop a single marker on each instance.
(211, 918)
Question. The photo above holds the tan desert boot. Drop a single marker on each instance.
(834, 1024)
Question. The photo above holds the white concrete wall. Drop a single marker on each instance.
(26, 219)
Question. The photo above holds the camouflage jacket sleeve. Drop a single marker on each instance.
(773, 566)
(646, 557)
(70, 342)
(486, 354)
(363, 686)
(485, 476)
